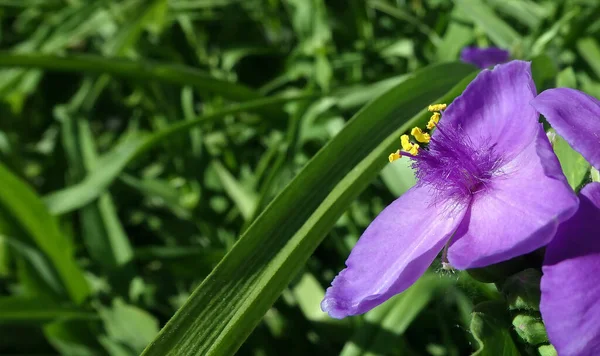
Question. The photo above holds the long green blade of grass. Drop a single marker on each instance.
(141, 70)
(499, 31)
(225, 308)
(35, 311)
(32, 223)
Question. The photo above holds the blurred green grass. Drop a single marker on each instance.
(140, 139)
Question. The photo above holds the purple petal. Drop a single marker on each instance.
(576, 117)
(494, 109)
(484, 57)
(517, 212)
(392, 253)
(571, 281)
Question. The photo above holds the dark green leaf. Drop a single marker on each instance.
(225, 308)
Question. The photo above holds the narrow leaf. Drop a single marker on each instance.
(140, 70)
(226, 307)
(31, 217)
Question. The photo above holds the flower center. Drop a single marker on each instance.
(451, 163)
(454, 166)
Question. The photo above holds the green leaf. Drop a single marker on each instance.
(491, 327)
(45, 282)
(140, 70)
(543, 70)
(399, 176)
(547, 350)
(590, 51)
(595, 175)
(229, 303)
(102, 231)
(574, 166)
(480, 13)
(531, 329)
(406, 16)
(522, 290)
(527, 12)
(129, 325)
(566, 78)
(309, 293)
(393, 317)
(111, 164)
(244, 200)
(37, 311)
(32, 222)
(457, 36)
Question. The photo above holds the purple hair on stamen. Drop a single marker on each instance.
(454, 166)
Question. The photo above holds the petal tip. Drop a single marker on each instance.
(332, 307)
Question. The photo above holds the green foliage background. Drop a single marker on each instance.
(186, 177)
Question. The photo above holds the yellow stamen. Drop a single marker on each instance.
(435, 118)
(420, 135)
(436, 107)
(407, 146)
(414, 149)
(394, 156)
(405, 142)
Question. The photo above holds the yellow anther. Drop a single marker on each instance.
(436, 107)
(414, 149)
(405, 143)
(394, 156)
(435, 118)
(407, 146)
(419, 135)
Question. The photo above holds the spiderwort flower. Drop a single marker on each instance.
(576, 117)
(484, 57)
(489, 188)
(571, 281)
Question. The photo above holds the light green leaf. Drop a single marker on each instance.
(527, 12)
(129, 325)
(491, 327)
(457, 36)
(399, 176)
(499, 31)
(566, 78)
(589, 50)
(574, 166)
(33, 223)
(225, 308)
(244, 200)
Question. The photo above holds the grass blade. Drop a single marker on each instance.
(141, 70)
(225, 308)
(499, 31)
(35, 311)
(30, 217)
(113, 163)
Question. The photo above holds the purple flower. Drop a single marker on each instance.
(571, 281)
(576, 117)
(484, 57)
(489, 188)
